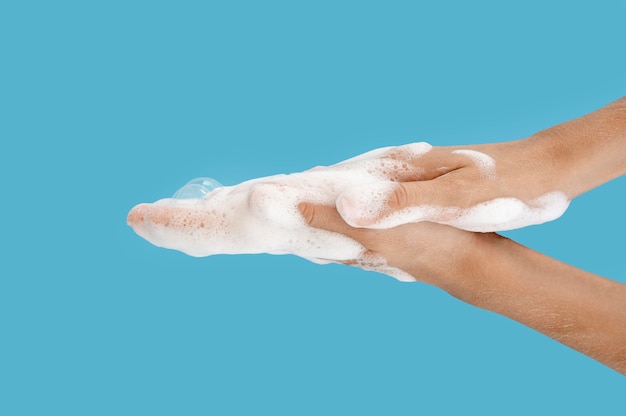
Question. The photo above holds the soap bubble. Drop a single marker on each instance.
(197, 188)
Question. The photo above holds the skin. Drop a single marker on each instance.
(581, 310)
(570, 158)
(577, 308)
(572, 306)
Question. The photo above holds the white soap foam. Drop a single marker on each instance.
(503, 214)
(360, 206)
(372, 154)
(379, 264)
(262, 216)
(499, 214)
(226, 223)
(415, 150)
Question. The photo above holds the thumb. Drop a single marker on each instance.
(326, 218)
(389, 204)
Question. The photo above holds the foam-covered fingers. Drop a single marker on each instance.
(172, 225)
(327, 218)
(143, 217)
(433, 185)
(137, 214)
(451, 199)
(389, 204)
(397, 163)
(420, 161)
(166, 215)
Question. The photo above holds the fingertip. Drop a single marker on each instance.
(137, 215)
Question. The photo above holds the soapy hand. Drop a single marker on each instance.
(390, 200)
(424, 251)
(258, 216)
(474, 188)
(483, 188)
(261, 216)
(464, 187)
(496, 187)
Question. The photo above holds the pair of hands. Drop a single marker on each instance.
(490, 187)
(425, 213)
(379, 210)
(421, 224)
(398, 210)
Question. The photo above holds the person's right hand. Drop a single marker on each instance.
(489, 187)
(494, 187)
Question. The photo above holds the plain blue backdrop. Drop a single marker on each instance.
(107, 104)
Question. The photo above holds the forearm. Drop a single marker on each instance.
(581, 310)
(587, 151)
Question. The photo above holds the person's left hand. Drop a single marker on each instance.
(261, 215)
(427, 252)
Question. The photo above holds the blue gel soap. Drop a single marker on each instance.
(197, 188)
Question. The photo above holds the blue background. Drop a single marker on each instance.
(107, 104)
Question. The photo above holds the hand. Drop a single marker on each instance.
(261, 216)
(426, 252)
(495, 187)
(258, 216)
(581, 310)
(478, 188)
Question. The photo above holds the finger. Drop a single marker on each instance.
(411, 162)
(388, 204)
(137, 215)
(430, 185)
(326, 218)
(459, 199)
(174, 225)
(420, 162)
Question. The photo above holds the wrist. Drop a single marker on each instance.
(587, 151)
(472, 275)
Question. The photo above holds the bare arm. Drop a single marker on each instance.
(581, 310)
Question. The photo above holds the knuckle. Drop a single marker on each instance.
(399, 198)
